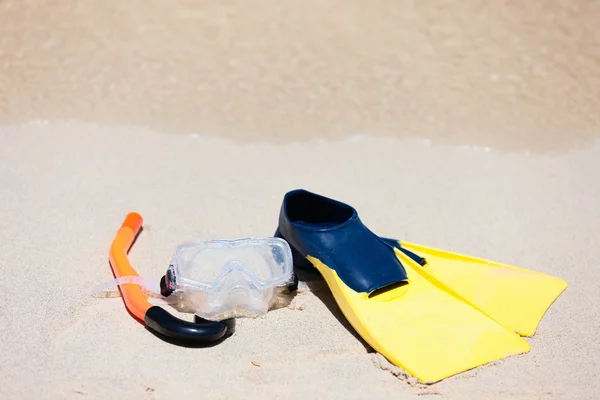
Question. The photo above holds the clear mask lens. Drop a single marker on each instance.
(228, 278)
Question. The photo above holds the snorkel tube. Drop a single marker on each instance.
(154, 317)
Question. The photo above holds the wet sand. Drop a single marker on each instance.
(503, 74)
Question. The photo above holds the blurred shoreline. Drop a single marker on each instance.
(515, 76)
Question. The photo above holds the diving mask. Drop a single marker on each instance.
(228, 278)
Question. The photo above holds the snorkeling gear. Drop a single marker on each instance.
(431, 312)
(218, 279)
(396, 305)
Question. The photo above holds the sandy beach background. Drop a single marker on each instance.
(468, 126)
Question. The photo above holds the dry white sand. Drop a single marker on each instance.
(65, 189)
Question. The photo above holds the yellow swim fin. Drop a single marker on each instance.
(516, 297)
(422, 327)
(394, 304)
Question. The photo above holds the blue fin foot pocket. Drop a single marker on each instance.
(332, 232)
(299, 260)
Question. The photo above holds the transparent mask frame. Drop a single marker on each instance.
(239, 289)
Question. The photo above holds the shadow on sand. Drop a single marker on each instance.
(317, 285)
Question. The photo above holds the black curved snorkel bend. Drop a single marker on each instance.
(154, 317)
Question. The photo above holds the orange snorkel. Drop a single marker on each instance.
(155, 317)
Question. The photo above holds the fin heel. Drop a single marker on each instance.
(299, 260)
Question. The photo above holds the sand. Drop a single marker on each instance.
(470, 127)
(67, 187)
